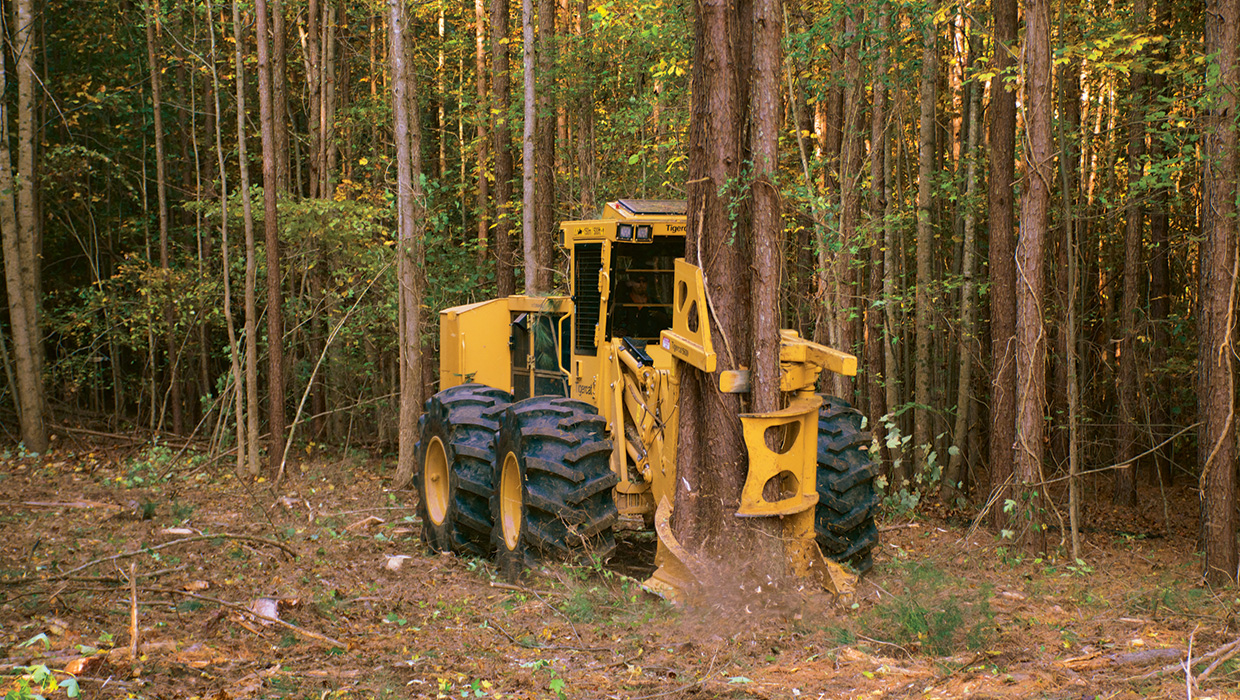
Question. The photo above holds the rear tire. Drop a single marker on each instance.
(553, 485)
(455, 451)
(844, 518)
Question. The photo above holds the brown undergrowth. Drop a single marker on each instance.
(350, 605)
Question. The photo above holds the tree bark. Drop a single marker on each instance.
(1129, 431)
(1031, 275)
(766, 109)
(20, 271)
(251, 264)
(411, 256)
(501, 95)
(161, 189)
(482, 114)
(544, 146)
(711, 455)
(922, 435)
(585, 117)
(1001, 263)
(1216, 365)
(954, 476)
(876, 342)
(271, 228)
(529, 237)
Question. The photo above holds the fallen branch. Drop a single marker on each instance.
(185, 540)
(241, 608)
(1229, 649)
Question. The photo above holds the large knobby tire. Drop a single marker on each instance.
(553, 485)
(456, 439)
(844, 518)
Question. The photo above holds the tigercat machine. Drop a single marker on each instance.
(556, 417)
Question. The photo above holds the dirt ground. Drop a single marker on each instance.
(366, 612)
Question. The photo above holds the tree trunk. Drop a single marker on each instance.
(585, 117)
(544, 147)
(313, 50)
(19, 273)
(279, 95)
(501, 92)
(271, 227)
(529, 236)
(251, 264)
(1216, 365)
(876, 341)
(29, 218)
(767, 108)
(711, 454)
(1031, 275)
(161, 189)
(1001, 262)
(954, 476)
(410, 253)
(226, 272)
(482, 115)
(1129, 431)
(922, 433)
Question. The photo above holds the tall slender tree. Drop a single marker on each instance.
(20, 264)
(922, 436)
(410, 253)
(271, 228)
(1000, 206)
(251, 263)
(501, 95)
(1031, 273)
(1216, 331)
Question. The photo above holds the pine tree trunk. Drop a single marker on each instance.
(251, 264)
(482, 115)
(1031, 275)
(1216, 365)
(529, 238)
(1129, 431)
(544, 146)
(954, 477)
(279, 96)
(922, 436)
(19, 273)
(409, 247)
(271, 227)
(501, 95)
(585, 118)
(1001, 262)
(876, 341)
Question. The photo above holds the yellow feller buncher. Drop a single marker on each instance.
(557, 417)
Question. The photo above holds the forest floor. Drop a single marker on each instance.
(366, 612)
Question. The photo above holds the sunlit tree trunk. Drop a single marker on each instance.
(1216, 335)
(19, 273)
(876, 341)
(501, 95)
(482, 117)
(271, 227)
(585, 117)
(529, 231)
(1031, 275)
(544, 147)
(954, 475)
(922, 436)
(410, 255)
(1002, 262)
(1129, 431)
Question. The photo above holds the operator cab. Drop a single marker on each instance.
(623, 271)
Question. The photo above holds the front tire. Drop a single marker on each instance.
(844, 517)
(553, 484)
(455, 450)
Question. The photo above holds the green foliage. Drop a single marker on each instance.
(932, 614)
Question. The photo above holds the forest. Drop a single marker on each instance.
(228, 229)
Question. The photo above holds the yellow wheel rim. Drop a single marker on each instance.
(435, 481)
(510, 492)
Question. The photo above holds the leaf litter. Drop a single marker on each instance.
(321, 588)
